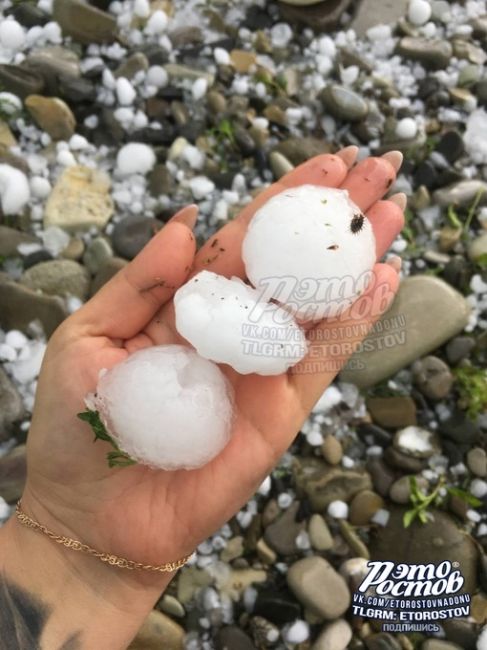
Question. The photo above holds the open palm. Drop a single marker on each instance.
(157, 516)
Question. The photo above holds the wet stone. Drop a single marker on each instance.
(459, 348)
(282, 533)
(83, 22)
(371, 13)
(131, 234)
(364, 506)
(58, 278)
(19, 81)
(11, 407)
(322, 16)
(393, 412)
(233, 637)
(431, 53)
(344, 103)
(433, 377)
(52, 115)
(461, 194)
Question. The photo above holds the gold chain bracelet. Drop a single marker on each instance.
(109, 558)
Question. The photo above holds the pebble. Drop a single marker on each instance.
(83, 22)
(460, 194)
(243, 60)
(401, 489)
(19, 81)
(477, 461)
(416, 441)
(98, 252)
(171, 606)
(432, 53)
(52, 115)
(335, 636)
(11, 407)
(319, 534)
(436, 644)
(392, 412)
(11, 238)
(478, 247)
(19, 306)
(382, 641)
(158, 631)
(279, 164)
(344, 103)
(363, 507)
(433, 377)
(131, 234)
(233, 637)
(356, 545)
(371, 13)
(332, 450)
(433, 312)
(58, 278)
(318, 587)
(321, 17)
(419, 12)
(459, 348)
(281, 534)
(79, 200)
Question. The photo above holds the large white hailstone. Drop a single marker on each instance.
(311, 249)
(135, 158)
(226, 322)
(166, 407)
(14, 189)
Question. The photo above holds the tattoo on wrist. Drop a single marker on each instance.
(23, 617)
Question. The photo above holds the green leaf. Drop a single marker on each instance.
(409, 517)
(119, 459)
(423, 516)
(465, 496)
(482, 261)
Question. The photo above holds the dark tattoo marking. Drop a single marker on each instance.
(23, 618)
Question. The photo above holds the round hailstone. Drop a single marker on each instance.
(134, 158)
(311, 249)
(419, 12)
(225, 321)
(166, 407)
(406, 128)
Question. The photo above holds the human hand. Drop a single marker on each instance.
(154, 516)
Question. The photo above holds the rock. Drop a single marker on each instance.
(83, 22)
(344, 103)
(460, 429)
(238, 580)
(335, 636)
(131, 66)
(436, 644)
(363, 507)
(11, 406)
(298, 150)
(179, 71)
(276, 606)
(356, 545)
(461, 194)
(433, 377)
(332, 450)
(190, 581)
(52, 62)
(171, 606)
(132, 233)
(97, 254)
(243, 60)
(319, 533)
(20, 81)
(323, 484)
(265, 553)
(401, 489)
(58, 278)
(427, 311)
(400, 460)
(279, 164)
(233, 638)
(381, 474)
(393, 412)
(382, 641)
(19, 306)
(459, 348)
(478, 247)
(281, 534)
(158, 631)
(322, 16)
(451, 146)
(233, 549)
(161, 183)
(29, 15)
(13, 471)
(52, 115)
(80, 199)
(318, 587)
(431, 53)
(371, 13)
(477, 461)
(74, 249)
(417, 442)
(11, 238)
(76, 90)
(6, 136)
(435, 541)
(106, 273)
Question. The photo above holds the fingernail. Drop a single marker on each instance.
(349, 155)
(188, 216)
(395, 261)
(395, 158)
(399, 199)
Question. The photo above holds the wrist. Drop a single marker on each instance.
(80, 594)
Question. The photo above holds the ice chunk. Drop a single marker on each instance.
(475, 136)
(311, 249)
(135, 158)
(14, 189)
(225, 321)
(167, 407)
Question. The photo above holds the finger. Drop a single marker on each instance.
(222, 252)
(387, 220)
(348, 155)
(332, 342)
(130, 299)
(371, 179)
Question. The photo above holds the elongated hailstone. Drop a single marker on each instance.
(166, 407)
(225, 321)
(311, 249)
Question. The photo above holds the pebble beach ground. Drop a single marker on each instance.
(115, 114)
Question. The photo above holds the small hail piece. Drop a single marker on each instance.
(311, 249)
(226, 321)
(163, 406)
